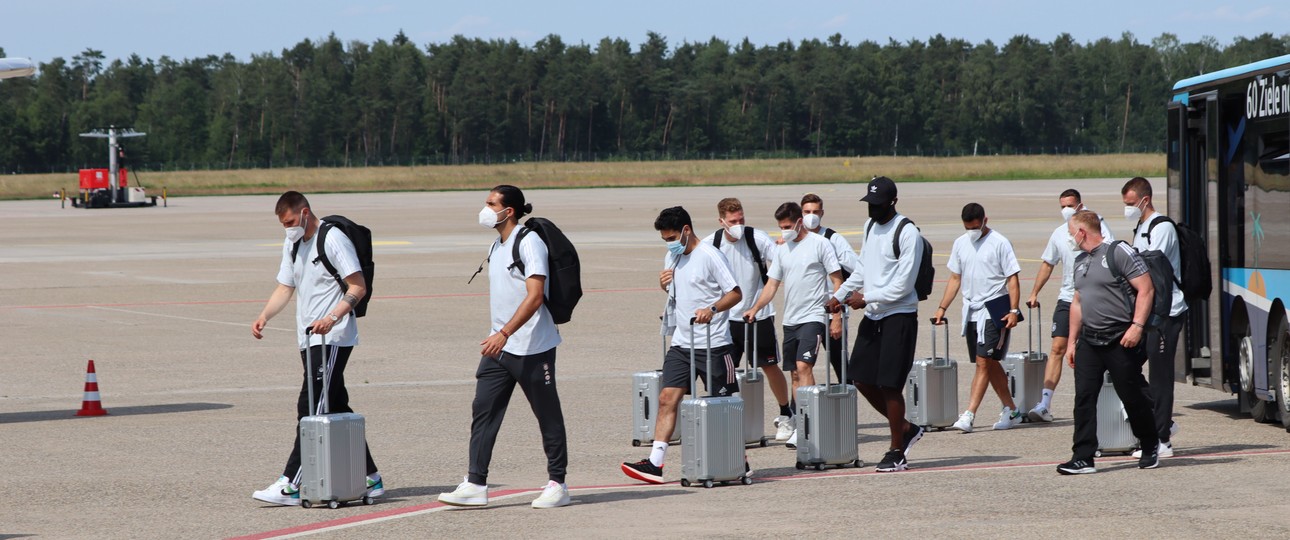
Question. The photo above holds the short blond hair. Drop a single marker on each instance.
(728, 205)
(1087, 220)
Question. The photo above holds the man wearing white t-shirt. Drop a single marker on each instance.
(322, 308)
(1058, 251)
(1155, 231)
(520, 349)
(705, 289)
(983, 263)
(812, 215)
(737, 242)
(808, 267)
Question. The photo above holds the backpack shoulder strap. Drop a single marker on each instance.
(716, 238)
(1110, 260)
(295, 250)
(324, 227)
(895, 239)
(516, 262)
(752, 244)
(828, 233)
(1156, 221)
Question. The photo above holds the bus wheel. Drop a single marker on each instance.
(1281, 373)
(1260, 410)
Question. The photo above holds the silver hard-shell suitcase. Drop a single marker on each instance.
(1114, 434)
(712, 448)
(932, 390)
(1025, 370)
(646, 386)
(826, 419)
(752, 388)
(333, 452)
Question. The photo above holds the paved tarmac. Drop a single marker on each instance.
(202, 414)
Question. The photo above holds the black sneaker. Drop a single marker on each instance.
(644, 471)
(912, 435)
(892, 461)
(1077, 466)
(1149, 461)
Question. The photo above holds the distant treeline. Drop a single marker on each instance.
(472, 100)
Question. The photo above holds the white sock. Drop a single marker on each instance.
(656, 455)
(1047, 401)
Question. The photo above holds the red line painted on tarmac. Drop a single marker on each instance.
(382, 515)
(260, 301)
(361, 518)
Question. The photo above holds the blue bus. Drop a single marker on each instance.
(1229, 181)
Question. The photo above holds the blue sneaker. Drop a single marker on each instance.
(282, 492)
(375, 488)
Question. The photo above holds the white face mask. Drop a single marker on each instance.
(1067, 212)
(974, 235)
(488, 218)
(1073, 244)
(789, 234)
(811, 221)
(735, 231)
(1132, 213)
(294, 234)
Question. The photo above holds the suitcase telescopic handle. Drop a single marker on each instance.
(693, 374)
(828, 366)
(936, 360)
(309, 367)
(750, 370)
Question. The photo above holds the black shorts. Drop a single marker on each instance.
(994, 348)
(767, 345)
(1062, 319)
(676, 370)
(884, 350)
(802, 344)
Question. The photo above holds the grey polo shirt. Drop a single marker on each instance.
(1103, 305)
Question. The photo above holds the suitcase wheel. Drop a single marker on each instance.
(763, 442)
(857, 463)
(368, 500)
(333, 504)
(801, 466)
(685, 482)
(707, 484)
(747, 480)
(306, 503)
(636, 442)
(819, 466)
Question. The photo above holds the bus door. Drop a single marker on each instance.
(1194, 132)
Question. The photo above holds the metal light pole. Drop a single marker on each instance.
(112, 134)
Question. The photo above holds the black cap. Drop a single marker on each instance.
(881, 190)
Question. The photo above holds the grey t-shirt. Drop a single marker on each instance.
(1103, 304)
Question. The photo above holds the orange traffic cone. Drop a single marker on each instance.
(91, 406)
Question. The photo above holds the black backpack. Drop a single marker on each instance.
(926, 270)
(828, 235)
(1162, 279)
(752, 247)
(358, 235)
(564, 272)
(1193, 261)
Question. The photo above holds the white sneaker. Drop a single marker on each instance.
(1164, 450)
(466, 494)
(792, 441)
(281, 492)
(783, 428)
(1040, 414)
(553, 496)
(965, 422)
(1008, 419)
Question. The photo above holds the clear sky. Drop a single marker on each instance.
(44, 29)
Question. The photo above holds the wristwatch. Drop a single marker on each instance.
(1015, 311)
(713, 308)
(333, 317)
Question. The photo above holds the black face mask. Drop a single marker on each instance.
(880, 212)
